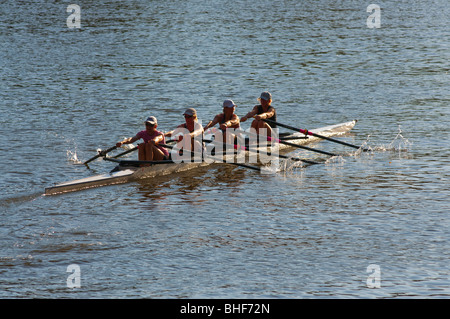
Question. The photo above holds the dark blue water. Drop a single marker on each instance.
(222, 231)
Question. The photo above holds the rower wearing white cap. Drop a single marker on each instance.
(149, 150)
(193, 126)
(227, 119)
(262, 111)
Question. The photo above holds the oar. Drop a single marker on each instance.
(101, 153)
(232, 163)
(236, 146)
(126, 152)
(134, 149)
(135, 163)
(306, 132)
(269, 138)
(287, 138)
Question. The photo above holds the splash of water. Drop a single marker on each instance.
(400, 143)
(336, 160)
(364, 145)
(288, 166)
(72, 157)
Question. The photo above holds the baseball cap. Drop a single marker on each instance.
(190, 111)
(228, 103)
(152, 120)
(266, 96)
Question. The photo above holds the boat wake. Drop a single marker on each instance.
(19, 199)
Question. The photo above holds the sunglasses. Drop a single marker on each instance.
(149, 124)
(188, 116)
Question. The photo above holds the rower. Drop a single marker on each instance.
(192, 132)
(262, 111)
(227, 119)
(149, 150)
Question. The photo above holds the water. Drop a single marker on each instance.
(222, 231)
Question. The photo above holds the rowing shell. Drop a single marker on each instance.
(126, 174)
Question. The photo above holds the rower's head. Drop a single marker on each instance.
(265, 98)
(151, 123)
(229, 106)
(190, 115)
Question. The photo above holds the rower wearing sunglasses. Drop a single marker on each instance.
(149, 150)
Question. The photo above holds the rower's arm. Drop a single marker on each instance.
(175, 131)
(128, 141)
(234, 120)
(266, 115)
(212, 123)
(158, 139)
(250, 114)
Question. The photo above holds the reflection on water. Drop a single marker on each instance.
(188, 186)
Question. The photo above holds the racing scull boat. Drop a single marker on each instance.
(128, 173)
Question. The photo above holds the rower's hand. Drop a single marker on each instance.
(257, 117)
(243, 119)
(180, 138)
(119, 144)
(223, 126)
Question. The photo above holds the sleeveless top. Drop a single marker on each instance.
(273, 118)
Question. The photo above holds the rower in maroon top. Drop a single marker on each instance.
(149, 150)
(262, 111)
